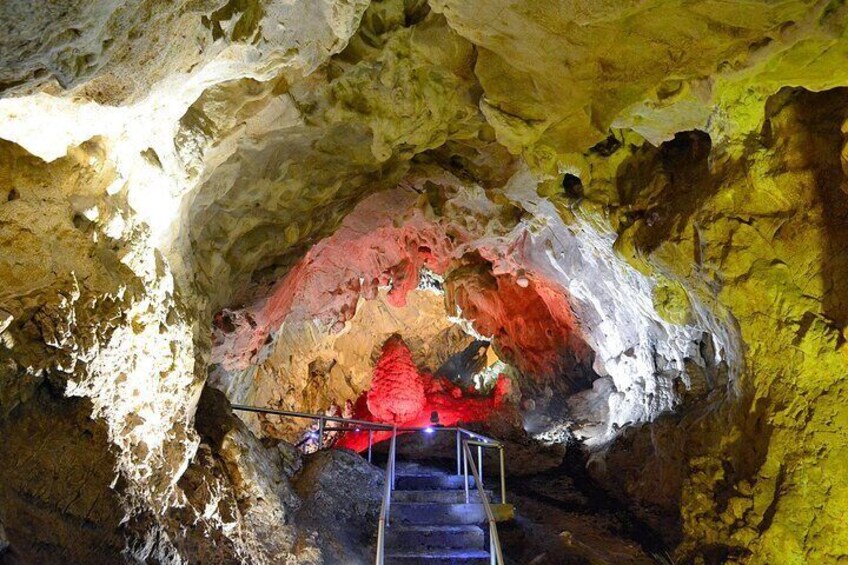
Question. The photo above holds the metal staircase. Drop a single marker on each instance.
(432, 523)
(429, 516)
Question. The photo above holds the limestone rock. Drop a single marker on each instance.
(58, 499)
(258, 185)
(397, 392)
(341, 494)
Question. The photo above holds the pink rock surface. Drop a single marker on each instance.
(386, 240)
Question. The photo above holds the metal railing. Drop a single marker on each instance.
(348, 424)
(495, 552)
(385, 509)
(463, 454)
(481, 441)
(464, 457)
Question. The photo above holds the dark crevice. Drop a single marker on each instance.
(572, 186)
(591, 500)
(768, 515)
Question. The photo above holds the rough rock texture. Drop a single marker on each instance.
(394, 232)
(530, 321)
(563, 519)
(89, 192)
(557, 75)
(402, 395)
(764, 230)
(341, 496)
(57, 499)
(89, 306)
(258, 479)
(672, 173)
(394, 92)
(310, 367)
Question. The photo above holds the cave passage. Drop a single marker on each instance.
(404, 319)
(607, 237)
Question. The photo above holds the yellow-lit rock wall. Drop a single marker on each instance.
(762, 235)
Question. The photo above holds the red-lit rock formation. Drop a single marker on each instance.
(400, 394)
(369, 250)
(385, 242)
(529, 319)
(397, 391)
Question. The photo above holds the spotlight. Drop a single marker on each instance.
(357, 430)
(428, 430)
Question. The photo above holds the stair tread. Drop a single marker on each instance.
(404, 503)
(428, 538)
(472, 486)
(440, 553)
(487, 491)
(437, 496)
(432, 528)
(431, 482)
(461, 489)
(448, 513)
(435, 528)
(426, 475)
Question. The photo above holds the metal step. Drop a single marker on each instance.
(415, 468)
(435, 513)
(452, 496)
(442, 557)
(429, 537)
(431, 482)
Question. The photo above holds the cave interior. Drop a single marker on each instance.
(609, 237)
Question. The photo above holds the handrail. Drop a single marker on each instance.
(385, 509)
(361, 423)
(495, 552)
(480, 437)
(308, 416)
(481, 445)
(433, 429)
(482, 441)
(357, 424)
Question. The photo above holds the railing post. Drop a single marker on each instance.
(480, 462)
(371, 437)
(465, 465)
(380, 541)
(492, 554)
(503, 476)
(458, 453)
(320, 433)
(394, 455)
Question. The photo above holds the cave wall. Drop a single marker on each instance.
(390, 236)
(309, 367)
(55, 497)
(89, 311)
(97, 297)
(765, 231)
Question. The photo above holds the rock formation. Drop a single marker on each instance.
(639, 207)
